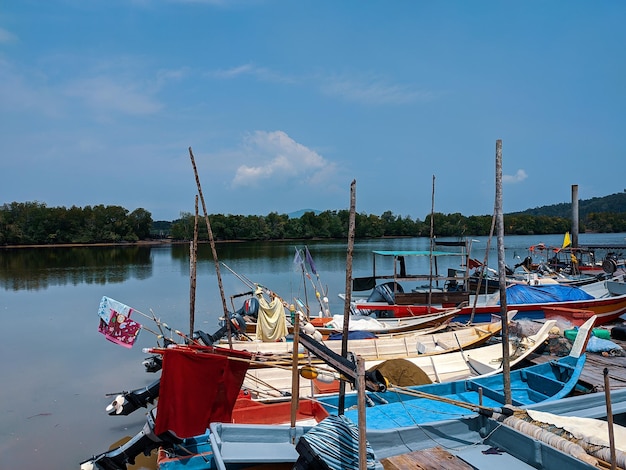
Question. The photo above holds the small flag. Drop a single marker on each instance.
(474, 263)
(297, 259)
(115, 323)
(566, 240)
(309, 260)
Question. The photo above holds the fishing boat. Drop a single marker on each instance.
(270, 375)
(472, 439)
(406, 406)
(477, 435)
(530, 301)
(414, 348)
(549, 381)
(480, 361)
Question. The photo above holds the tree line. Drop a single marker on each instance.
(33, 223)
(334, 225)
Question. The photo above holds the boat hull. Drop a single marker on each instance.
(606, 309)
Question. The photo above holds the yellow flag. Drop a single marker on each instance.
(566, 240)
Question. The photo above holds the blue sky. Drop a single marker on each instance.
(284, 103)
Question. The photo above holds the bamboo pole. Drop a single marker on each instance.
(360, 371)
(609, 418)
(348, 290)
(295, 377)
(506, 366)
(193, 263)
(214, 251)
(482, 272)
(432, 235)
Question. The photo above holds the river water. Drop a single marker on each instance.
(57, 369)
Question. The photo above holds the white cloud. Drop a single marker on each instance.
(7, 37)
(516, 178)
(261, 73)
(365, 89)
(372, 90)
(105, 94)
(278, 157)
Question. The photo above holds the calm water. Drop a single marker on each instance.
(56, 368)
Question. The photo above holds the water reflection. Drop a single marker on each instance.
(40, 268)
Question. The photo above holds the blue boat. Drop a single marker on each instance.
(410, 406)
(235, 446)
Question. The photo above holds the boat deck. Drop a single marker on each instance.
(593, 372)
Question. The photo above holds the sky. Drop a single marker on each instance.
(284, 103)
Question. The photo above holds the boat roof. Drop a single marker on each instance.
(416, 253)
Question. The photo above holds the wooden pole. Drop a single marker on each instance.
(295, 377)
(485, 261)
(360, 375)
(506, 365)
(214, 251)
(432, 236)
(348, 290)
(609, 417)
(575, 216)
(193, 262)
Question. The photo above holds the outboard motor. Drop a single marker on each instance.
(610, 263)
(249, 308)
(385, 292)
(143, 442)
(526, 263)
(237, 326)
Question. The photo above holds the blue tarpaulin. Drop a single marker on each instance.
(524, 294)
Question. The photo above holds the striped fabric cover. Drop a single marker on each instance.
(335, 441)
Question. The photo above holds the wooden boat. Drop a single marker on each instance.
(408, 406)
(530, 301)
(549, 381)
(272, 320)
(480, 361)
(464, 438)
(616, 286)
(417, 348)
(384, 326)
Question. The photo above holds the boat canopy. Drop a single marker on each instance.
(524, 294)
(415, 253)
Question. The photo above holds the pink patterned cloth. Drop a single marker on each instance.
(115, 323)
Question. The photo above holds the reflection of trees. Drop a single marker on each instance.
(40, 268)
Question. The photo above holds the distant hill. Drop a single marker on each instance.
(300, 213)
(615, 203)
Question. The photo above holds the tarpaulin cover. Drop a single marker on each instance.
(523, 294)
(198, 388)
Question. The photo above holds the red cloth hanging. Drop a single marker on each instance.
(198, 386)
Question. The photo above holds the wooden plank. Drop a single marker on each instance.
(592, 375)
(427, 459)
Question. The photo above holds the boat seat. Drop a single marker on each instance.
(490, 392)
(254, 444)
(256, 452)
(536, 382)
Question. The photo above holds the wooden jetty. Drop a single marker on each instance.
(592, 376)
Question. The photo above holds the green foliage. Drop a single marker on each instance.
(32, 223)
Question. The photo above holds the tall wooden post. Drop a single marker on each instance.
(214, 251)
(193, 263)
(348, 290)
(506, 367)
(575, 216)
